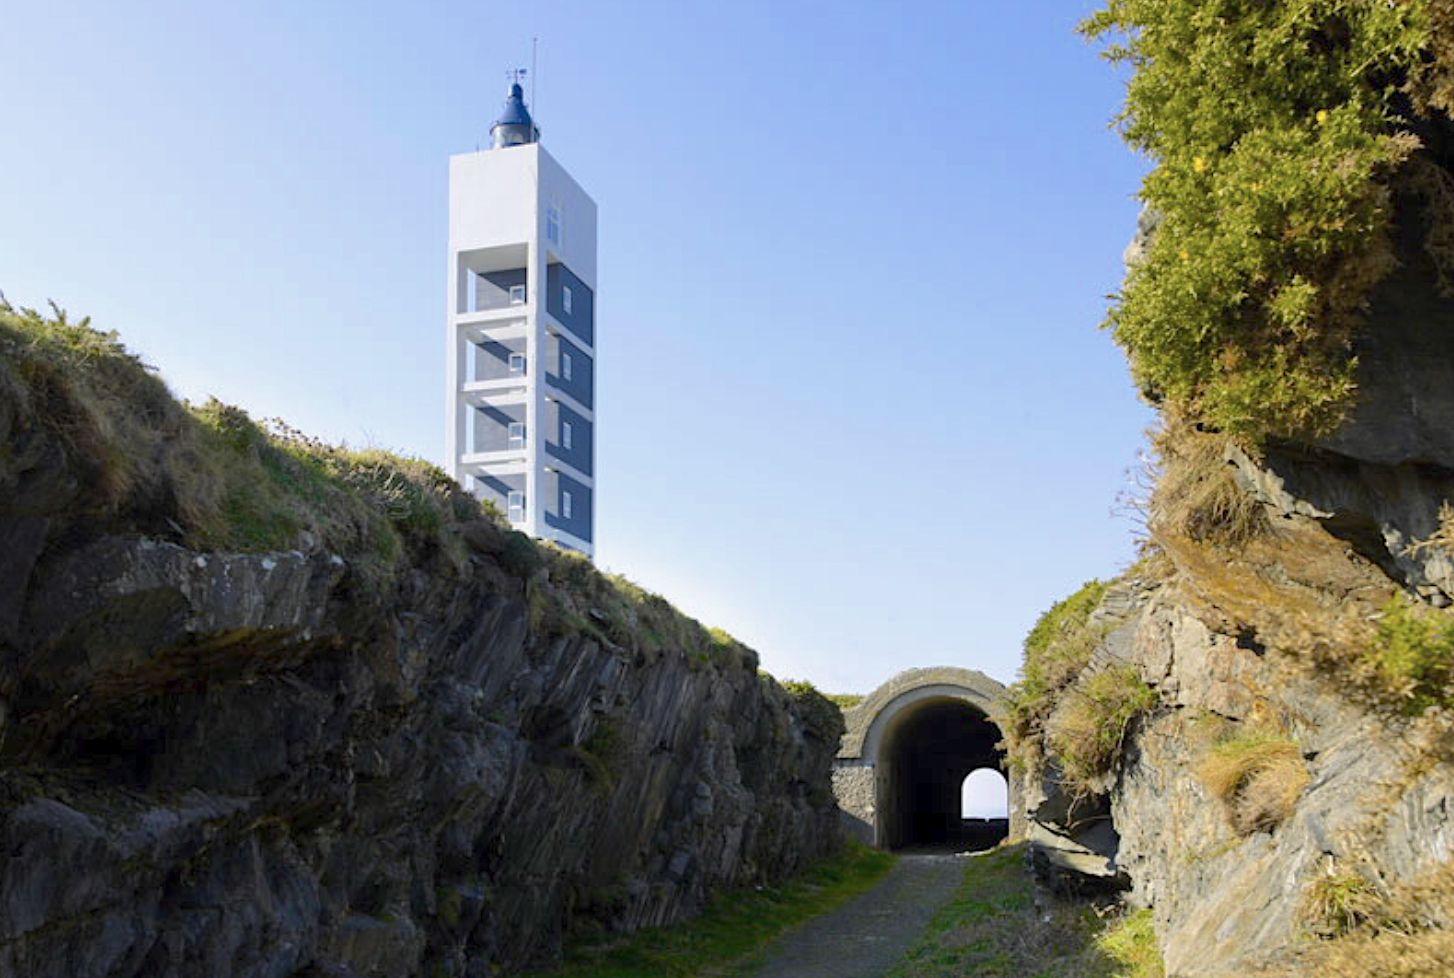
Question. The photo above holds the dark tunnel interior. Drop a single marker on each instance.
(930, 753)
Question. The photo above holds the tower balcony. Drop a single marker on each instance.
(499, 392)
(492, 322)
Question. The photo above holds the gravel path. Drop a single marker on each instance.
(868, 935)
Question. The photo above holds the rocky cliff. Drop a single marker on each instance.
(1280, 791)
(274, 708)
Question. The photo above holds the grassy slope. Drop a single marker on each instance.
(999, 927)
(92, 439)
(727, 938)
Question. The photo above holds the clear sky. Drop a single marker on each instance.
(854, 406)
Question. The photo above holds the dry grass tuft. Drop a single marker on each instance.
(1340, 901)
(1258, 775)
(1197, 496)
(1443, 537)
(1406, 932)
(1088, 731)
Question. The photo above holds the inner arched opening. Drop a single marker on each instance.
(931, 754)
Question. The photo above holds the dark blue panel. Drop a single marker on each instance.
(581, 320)
(582, 383)
(579, 524)
(580, 455)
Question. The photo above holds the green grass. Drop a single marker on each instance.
(1130, 943)
(997, 928)
(729, 936)
(1056, 651)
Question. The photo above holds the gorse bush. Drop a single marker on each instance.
(1275, 133)
(1413, 655)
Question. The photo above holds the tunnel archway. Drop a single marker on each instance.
(929, 751)
(909, 747)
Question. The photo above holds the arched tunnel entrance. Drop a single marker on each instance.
(909, 747)
(929, 752)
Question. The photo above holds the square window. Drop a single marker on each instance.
(516, 434)
(565, 503)
(517, 363)
(565, 434)
(565, 298)
(517, 295)
(565, 365)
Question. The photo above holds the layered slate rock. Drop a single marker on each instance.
(262, 764)
(1230, 638)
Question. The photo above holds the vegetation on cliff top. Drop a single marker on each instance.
(1056, 650)
(89, 434)
(209, 476)
(1063, 710)
(1277, 132)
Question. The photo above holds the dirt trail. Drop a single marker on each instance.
(868, 935)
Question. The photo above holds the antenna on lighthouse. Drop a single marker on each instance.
(534, 42)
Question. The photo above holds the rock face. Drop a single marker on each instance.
(249, 765)
(1239, 635)
(1225, 903)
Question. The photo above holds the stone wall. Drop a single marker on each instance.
(854, 787)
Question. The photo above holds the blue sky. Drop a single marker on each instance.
(854, 405)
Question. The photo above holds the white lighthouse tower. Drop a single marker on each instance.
(521, 335)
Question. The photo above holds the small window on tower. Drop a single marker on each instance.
(565, 503)
(517, 295)
(517, 363)
(552, 225)
(565, 298)
(565, 365)
(565, 434)
(516, 434)
(515, 504)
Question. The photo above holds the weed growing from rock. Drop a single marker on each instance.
(1258, 775)
(1088, 730)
